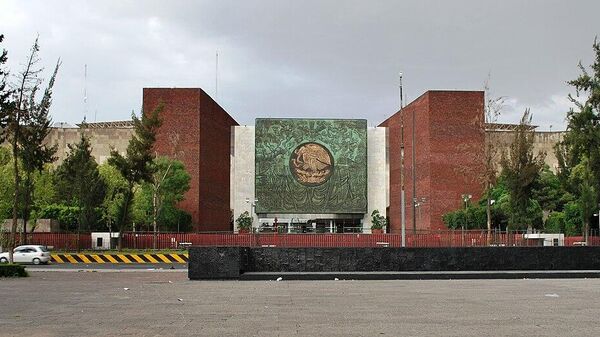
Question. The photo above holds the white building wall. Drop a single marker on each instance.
(377, 182)
(243, 173)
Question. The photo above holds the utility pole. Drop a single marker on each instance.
(402, 196)
(414, 172)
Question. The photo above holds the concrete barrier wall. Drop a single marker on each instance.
(229, 262)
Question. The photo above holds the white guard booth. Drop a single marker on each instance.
(104, 240)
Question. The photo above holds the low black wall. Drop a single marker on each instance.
(229, 262)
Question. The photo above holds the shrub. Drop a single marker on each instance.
(12, 270)
(65, 215)
(378, 221)
(244, 221)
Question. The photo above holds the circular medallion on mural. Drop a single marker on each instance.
(311, 164)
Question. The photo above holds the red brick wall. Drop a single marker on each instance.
(204, 131)
(448, 140)
(215, 161)
(457, 144)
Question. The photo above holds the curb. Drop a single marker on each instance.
(433, 275)
(120, 258)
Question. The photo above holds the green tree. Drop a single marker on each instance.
(579, 152)
(26, 120)
(555, 223)
(79, 183)
(6, 184)
(582, 177)
(548, 191)
(169, 183)
(136, 165)
(583, 131)
(492, 110)
(34, 152)
(521, 169)
(44, 192)
(5, 92)
(573, 218)
(112, 205)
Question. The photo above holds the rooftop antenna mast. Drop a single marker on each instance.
(217, 75)
(84, 93)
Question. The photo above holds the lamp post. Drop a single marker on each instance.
(465, 198)
(252, 207)
(598, 215)
(492, 201)
(418, 202)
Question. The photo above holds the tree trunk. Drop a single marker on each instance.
(13, 239)
(78, 235)
(488, 212)
(26, 205)
(154, 211)
(122, 224)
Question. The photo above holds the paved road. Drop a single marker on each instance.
(106, 266)
(167, 304)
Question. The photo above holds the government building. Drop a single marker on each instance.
(317, 175)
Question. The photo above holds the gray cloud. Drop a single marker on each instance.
(309, 58)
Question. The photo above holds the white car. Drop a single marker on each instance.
(28, 254)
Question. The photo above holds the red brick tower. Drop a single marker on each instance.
(204, 132)
(449, 138)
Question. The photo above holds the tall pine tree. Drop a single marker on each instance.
(521, 169)
(79, 184)
(581, 144)
(5, 92)
(27, 123)
(136, 165)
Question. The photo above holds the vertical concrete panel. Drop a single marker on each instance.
(243, 174)
(377, 184)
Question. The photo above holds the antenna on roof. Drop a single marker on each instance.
(400, 90)
(217, 75)
(84, 92)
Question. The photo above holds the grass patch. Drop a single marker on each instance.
(12, 270)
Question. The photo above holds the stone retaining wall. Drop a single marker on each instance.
(230, 262)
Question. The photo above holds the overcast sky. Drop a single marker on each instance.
(305, 58)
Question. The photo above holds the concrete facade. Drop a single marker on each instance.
(101, 139)
(242, 178)
(543, 141)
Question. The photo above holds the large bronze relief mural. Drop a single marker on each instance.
(311, 166)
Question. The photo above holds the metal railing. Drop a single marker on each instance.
(449, 238)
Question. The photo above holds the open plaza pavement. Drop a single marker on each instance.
(166, 303)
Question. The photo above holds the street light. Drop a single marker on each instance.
(465, 198)
(418, 203)
(598, 215)
(252, 206)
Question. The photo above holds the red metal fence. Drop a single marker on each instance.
(66, 241)
(58, 241)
